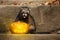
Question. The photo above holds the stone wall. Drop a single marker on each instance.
(47, 18)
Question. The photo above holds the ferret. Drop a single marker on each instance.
(24, 15)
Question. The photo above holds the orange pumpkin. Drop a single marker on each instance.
(19, 27)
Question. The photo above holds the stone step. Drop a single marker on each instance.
(29, 36)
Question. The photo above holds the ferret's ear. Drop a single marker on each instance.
(21, 8)
(30, 9)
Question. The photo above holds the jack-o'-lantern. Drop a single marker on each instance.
(19, 27)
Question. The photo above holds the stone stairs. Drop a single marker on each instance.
(29, 36)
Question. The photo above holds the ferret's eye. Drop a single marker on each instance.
(22, 12)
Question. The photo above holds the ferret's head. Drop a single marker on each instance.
(25, 12)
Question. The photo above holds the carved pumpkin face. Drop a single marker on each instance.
(19, 27)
